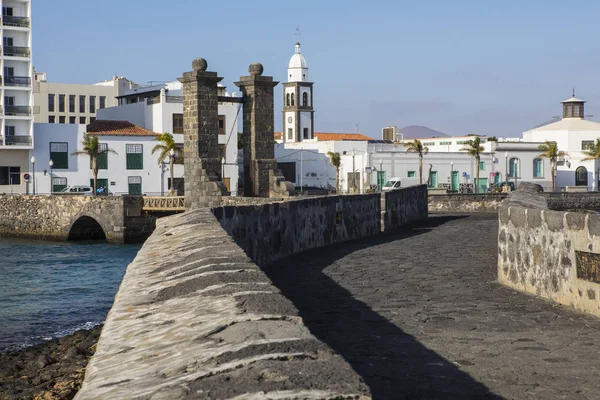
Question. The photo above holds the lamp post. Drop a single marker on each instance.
(353, 172)
(33, 172)
(223, 169)
(506, 171)
(171, 161)
(516, 173)
(51, 164)
(451, 175)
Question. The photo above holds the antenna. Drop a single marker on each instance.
(573, 91)
(298, 33)
(356, 129)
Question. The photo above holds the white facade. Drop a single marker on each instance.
(68, 103)
(298, 111)
(16, 101)
(572, 134)
(68, 138)
(160, 109)
(450, 169)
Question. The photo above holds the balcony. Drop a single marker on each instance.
(17, 81)
(18, 140)
(17, 111)
(19, 22)
(16, 51)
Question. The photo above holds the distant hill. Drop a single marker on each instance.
(420, 132)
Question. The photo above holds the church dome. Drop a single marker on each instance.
(297, 60)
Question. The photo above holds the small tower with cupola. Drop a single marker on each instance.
(298, 112)
(573, 107)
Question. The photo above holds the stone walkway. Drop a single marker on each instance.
(420, 315)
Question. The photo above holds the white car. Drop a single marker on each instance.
(392, 184)
(78, 190)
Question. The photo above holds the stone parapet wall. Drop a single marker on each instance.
(450, 203)
(271, 231)
(400, 207)
(195, 318)
(552, 254)
(563, 201)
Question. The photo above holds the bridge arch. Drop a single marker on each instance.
(86, 228)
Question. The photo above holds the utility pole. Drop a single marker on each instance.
(353, 172)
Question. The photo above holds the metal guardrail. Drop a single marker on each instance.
(174, 99)
(11, 20)
(18, 140)
(17, 81)
(16, 51)
(17, 110)
(163, 203)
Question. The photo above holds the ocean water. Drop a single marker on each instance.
(49, 290)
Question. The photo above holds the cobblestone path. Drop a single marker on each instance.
(420, 315)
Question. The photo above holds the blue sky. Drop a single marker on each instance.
(478, 66)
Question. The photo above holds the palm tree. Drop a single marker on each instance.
(550, 151)
(593, 153)
(336, 161)
(167, 145)
(474, 149)
(417, 147)
(91, 148)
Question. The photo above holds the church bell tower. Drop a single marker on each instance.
(298, 113)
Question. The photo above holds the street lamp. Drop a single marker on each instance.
(171, 161)
(33, 172)
(506, 172)
(451, 175)
(353, 172)
(516, 173)
(51, 164)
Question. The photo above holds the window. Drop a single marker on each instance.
(8, 41)
(62, 119)
(92, 119)
(576, 110)
(59, 154)
(568, 111)
(222, 125)
(305, 132)
(102, 157)
(290, 133)
(538, 168)
(412, 174)
(51, 107)
(71, 103)
(587, 144)
(428, 143)
(58, 184)
(177, 123)
(81, 104)
(221, 151)
(292, 99)
(61, 103)
(9, 71)
(10, 175)
(9, 100)
(92, 104)
(482, 165)
(9, 130)
(513, 166)
(135, 184)
(51, 119)
(462, 142)
(102, 102)
(82, 120)
(7, 11)
(305, 99)
(445, 143)
(287, 101)
(179, 154)
(72, 120)
(135, 156)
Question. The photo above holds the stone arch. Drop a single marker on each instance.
(86, 228)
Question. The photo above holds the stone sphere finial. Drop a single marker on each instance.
(255, 69)
(199, 64)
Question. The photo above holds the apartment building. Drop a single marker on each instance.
(16, 101)
(66, 103)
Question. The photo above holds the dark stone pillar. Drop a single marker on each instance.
(261, 176)
(202, 166)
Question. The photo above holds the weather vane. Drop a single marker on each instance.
(298, 33)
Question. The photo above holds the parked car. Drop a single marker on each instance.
(79, 190)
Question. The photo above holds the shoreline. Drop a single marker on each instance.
(51, 370)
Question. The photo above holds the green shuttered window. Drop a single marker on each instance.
(135, 184)
(102, 157)
(59, 154)
(135, 156)
(58, 184)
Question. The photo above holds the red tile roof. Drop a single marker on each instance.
(117, 128)
(323, 136)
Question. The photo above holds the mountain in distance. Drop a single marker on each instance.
(420, 132)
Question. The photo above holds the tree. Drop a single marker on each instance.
(91, 148)
(167, 144)
(336, 161)
(417, 147)
(550, 151)
(593, 153)
(474, 149)
(492, 139)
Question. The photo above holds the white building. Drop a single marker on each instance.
(298, 121)
(160, 109)
(16, 102)
(67, 103)
(573, 134)
(133, 170)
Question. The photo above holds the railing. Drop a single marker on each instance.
(17, 81)
(166, 203)
(18, 140)
(17, 111)
(11, 20)
(152, 100)
(16, 51)
(174, 99)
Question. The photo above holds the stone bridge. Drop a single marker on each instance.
(117, 219)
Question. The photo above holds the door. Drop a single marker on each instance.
(227, 182)
(380, 180)
(9, 71)
(455, 180)
(9, 100)
(482, 185)
(101, 183)
(353, 181)
(135, 185)
(581, 177)
(433, 179)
